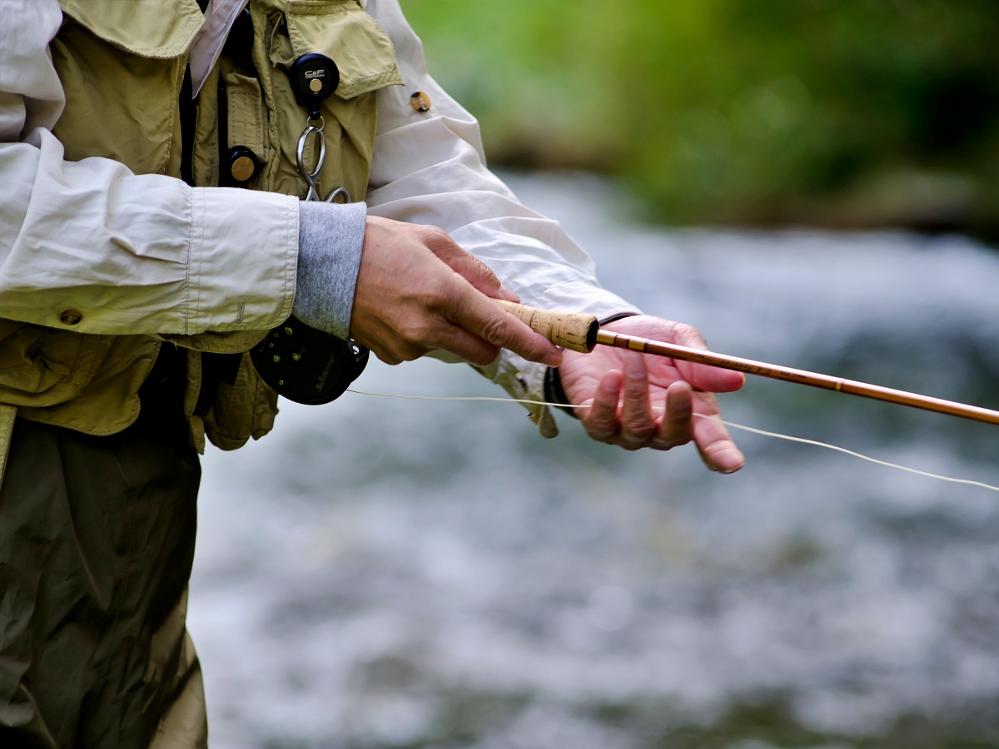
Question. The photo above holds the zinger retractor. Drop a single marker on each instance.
(314, 77)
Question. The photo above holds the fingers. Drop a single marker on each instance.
(703, 376)
(675, 426)
(637, 423)
(465, 264)
(394, 346)
(481, 317)
(488, 328)
(600, 420)
(621, 411)
(462, 321)
(469, 347)
(620, 414)
(716, 447)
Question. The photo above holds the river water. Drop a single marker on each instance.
(385, 573)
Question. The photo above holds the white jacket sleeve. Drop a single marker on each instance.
(131, 254)
(429, 168)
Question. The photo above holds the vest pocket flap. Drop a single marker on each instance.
(344, 32)
(147, 28)
(42, 366)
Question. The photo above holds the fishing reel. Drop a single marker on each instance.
(306, 365)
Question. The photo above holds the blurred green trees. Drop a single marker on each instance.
(838, 112)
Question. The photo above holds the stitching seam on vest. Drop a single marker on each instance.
(190, 261)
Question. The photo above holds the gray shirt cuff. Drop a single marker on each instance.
(330, 238)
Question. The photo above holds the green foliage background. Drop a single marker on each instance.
(834, 112)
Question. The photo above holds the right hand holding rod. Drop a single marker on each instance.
(417, 291)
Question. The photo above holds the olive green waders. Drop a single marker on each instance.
(96, 545)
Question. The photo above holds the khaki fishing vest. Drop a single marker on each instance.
(122, 65)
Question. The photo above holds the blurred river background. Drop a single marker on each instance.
(405, 574)
(388, 573)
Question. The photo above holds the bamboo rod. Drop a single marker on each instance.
(801, 376)
(580, 332)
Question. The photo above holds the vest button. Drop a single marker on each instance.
(70, 316)
(420, 102)
(243, 165)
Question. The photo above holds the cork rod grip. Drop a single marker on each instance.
(571, 330)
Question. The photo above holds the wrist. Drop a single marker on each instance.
(555, 392)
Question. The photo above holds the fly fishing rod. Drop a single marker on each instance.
(581, 332)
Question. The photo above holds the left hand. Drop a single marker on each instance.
(637, 400)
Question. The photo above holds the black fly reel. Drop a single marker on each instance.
(306, 365)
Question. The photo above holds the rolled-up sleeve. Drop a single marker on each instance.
(429, 167)
(133, 254)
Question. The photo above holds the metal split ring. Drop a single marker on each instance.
(340, 194)
(311, 176)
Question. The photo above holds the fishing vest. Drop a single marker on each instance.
(122, 65)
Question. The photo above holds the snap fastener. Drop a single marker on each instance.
(70, 316)
(420, 102)
(243, 164)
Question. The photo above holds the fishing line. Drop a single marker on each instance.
(732, 424)
(855, 454)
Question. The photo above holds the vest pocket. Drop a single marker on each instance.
(42, 367)
(246, 408)
(121, 65)
(344, 32)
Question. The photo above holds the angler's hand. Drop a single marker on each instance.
(628, 391)
(418, 291)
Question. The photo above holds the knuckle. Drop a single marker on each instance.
(434, 235)
(435, 293)
(668, 443)
(406, 332)
(483, 270)
(639, 433)
(414, 335)
(636, 393)
(686, 332)
(600, 435)
(677, 437)
(496, 330)
(600, 429)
